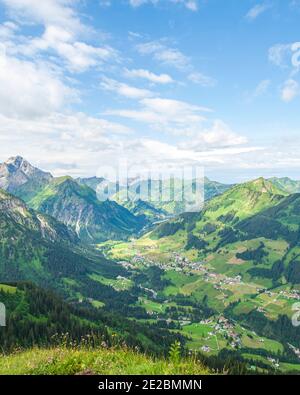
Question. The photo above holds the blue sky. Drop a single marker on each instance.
(157, 83)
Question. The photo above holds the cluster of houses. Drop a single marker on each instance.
(126, 265)
(274, 362)
(226, 328)
(295, 350)
(224, 325)
(293, 294)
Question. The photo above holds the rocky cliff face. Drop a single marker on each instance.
(19, 177)
(77, 206)
(15, 211)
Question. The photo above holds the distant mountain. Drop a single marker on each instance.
(252, 230)
(77, 206)
(19, 177)
(92, 182)
(244, 200)
(237, 203)
(169, 197)
(286, 184)
(145, 210)
(214, 188)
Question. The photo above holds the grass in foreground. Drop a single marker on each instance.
(63, 361)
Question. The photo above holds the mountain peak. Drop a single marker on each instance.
(263, 185)
(15, 161)
(17, 172)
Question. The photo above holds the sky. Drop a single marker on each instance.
(152, 84)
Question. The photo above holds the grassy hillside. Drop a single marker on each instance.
(286, 184)
(66, 361)
(39, 317)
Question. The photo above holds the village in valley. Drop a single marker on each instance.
(217, 286)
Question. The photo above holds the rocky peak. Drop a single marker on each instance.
(17, 171)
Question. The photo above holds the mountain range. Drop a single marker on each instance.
(167, 274)
(75, 202)
(251, 230)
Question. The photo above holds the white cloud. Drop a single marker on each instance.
(165, 114)
(163, 54)
(148, 75)
(191, 5)
(62, 27)
(202, 79)
(290, 90)
(46, 12)
(123, 89)
(29, 89)
(173, 57)
(69, 143)
(78, 56)
(219, 135)
(7, 30)
(256, 11)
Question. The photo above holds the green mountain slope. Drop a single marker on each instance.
(37, 248)
(286, 184)
(77, 206)
(91, 182)
(145, 210)
(219, 216)
(39, 317)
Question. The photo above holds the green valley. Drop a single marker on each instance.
(223, 281)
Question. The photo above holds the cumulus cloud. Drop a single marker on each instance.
(173, 57)
(123, 89)
(46, 12)
(74, 140)
(164, 114)
(148, 75)
(62, 27)
(77, 55)
(219, 135)
(39, 93)
(164, 54)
